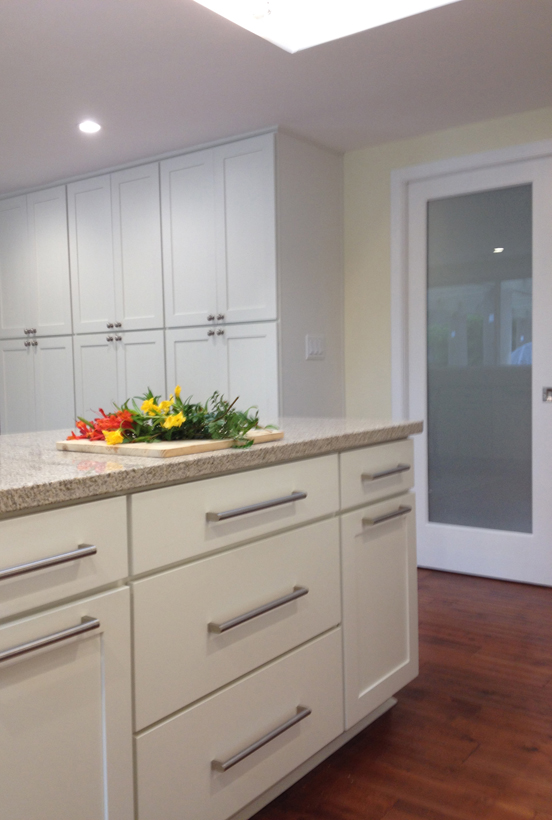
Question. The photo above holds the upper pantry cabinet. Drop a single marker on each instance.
(34, 265)
(219, 234)
(115, 251)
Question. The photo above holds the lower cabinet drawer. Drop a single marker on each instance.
(174, 524)
(49, 556)
(189, 631)
(178, 762)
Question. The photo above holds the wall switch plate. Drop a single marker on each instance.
(315, 347)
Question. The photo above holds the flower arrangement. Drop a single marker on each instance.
(170, 420)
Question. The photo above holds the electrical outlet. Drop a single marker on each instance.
(315, 347)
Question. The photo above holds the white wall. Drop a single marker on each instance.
(310, 220)
(367, 204)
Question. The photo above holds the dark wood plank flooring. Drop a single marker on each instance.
(471, 737)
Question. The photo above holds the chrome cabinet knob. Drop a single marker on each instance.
(27, 343)
(34, 343)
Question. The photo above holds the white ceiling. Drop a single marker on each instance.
(164, 75)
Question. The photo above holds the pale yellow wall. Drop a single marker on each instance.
(367, 242)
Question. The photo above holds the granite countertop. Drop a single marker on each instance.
(33, 474)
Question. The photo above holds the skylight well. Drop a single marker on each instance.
(298, 24)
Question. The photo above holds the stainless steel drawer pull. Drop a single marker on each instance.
(298, 592)
(371, 522)
(86, 625)
(82, 551)
(223, 766)
(262, 505)
(400, 468)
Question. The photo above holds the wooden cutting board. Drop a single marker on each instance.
(164, 449)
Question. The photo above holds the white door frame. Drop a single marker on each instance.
(404, 405)
(400, 180)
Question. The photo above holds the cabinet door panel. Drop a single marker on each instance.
(16, 388)
(380, 612)
(137, 247)
(252, 365)
(141, 364)
(96, 374)
(246, 238)
(195, 362)
(50, 261)
(65, 738)
(54, 383)
(91, 253)
(15, 286)
(188, 208)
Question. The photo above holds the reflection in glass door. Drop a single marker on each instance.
(479, 359)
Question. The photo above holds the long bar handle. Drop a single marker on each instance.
(82, 551)
(298, 592)
(379, 519)
(296, 495)
(86, 625)
(223, 766)
(400, 468)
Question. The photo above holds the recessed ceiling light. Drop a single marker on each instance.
(89, 127)
(297, 24)
(498, 250)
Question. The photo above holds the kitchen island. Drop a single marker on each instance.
(272, 598)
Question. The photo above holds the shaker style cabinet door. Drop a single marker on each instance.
(65, 713)
(380, 611)
(194, 362)
(188, 213)
(246, 229)
(91, 254)
(96, 373)
(15, 280)
(17, 406)
(54, 383)
(251, 359)
(50, 292)
(137, 247)
(141, 364)
(34, 265)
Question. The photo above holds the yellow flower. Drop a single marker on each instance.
(176, 420)
(149, 407)
(163, 406)
(177, 391)
(113, 436)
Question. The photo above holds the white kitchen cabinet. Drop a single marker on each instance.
(34, 265)
(219, 234)
(65, 715)
(117, 366)
(380, 624)
(37, 382)
(115, 251)
(237, 360)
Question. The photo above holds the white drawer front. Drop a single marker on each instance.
(32, 538)
(173, 611)
(176, 779)
(376, 472)
(171, 524)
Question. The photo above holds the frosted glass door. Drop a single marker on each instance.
(479, 354)
(480, 336)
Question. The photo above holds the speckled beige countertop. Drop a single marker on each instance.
(33, 474)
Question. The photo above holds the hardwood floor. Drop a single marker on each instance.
(471, 737)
